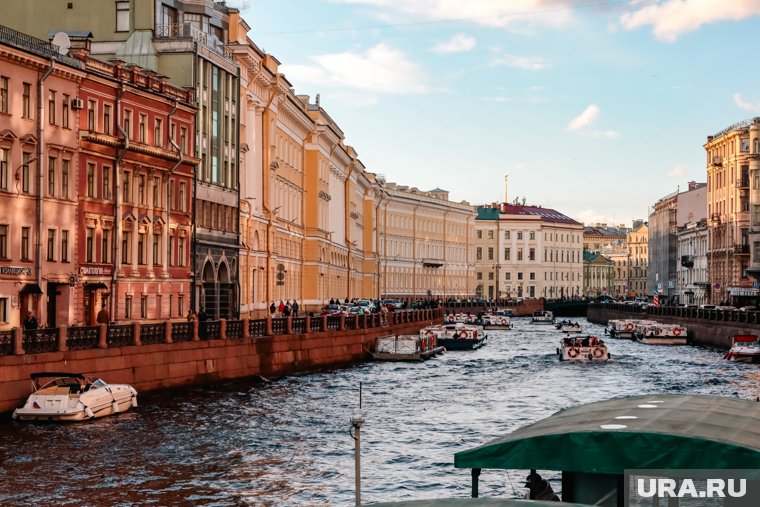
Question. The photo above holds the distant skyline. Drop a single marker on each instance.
(594, 108)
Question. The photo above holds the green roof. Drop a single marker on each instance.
(488, 214)
(639, 432)
(467, 502)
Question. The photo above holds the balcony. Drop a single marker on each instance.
(190, 32)
(741, 249)
(687, 261)
(742, 183)
(717, 161)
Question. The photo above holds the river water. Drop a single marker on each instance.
(286, 441)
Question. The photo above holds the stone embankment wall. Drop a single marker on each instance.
(705, 327)
(188, 353)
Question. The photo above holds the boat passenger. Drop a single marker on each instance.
(540, 489)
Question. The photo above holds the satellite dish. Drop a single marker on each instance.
(63, 42)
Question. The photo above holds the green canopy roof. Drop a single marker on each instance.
(474, 502)
(639, 432)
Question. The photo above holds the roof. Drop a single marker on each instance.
(600, 230)
(466, 502)
(638, 432)
(546, 214)
(487, 214)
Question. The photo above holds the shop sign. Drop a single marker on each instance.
(743, 291)
(95, 270)
(15, 270)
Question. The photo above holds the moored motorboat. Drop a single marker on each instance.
(624, 328)
(456, 336)
(542, 317)
(744, 348)
(405, 348)
(74, 397)
(583, 348)
(660, 334)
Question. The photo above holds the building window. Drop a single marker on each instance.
(519, 254)
(507, 254)
(91, 115)
(532, 254)
(156, 249)
(128, 307)
(745, 144)
(25, 237)
(105, 245)
(128, 123)
(125, 247)
(3, 241)
(141, 129)
(480, 275)
(144, 307)
(64, 246)
(141, 248)
(158, 132)
(181, 305)
(51, 245)
(106, 118)
(106, 194)
(506, 235)
(156, 191)
(122, 16)
(519, 235)
(141, 189)
(183, 140)
(532, 235)
(490, 275)
(181, 252)
(51, 177)
(90, 179)
(479, 253)
(65, 113)
(26, 107)
(89, 245)
(490, 253)
(26, 173)
(479, 234)
(490, 234)
(181, 196)
(3, 169)
(519, 276)
(127, 197)
(65, 179)
(51, 107)
(508, 276)
(3, 94)
(532, 276)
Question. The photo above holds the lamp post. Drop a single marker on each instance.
(497, 267)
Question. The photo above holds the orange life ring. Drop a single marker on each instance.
(474, 334)
(573, 352)
(657, 331)
(677, 331)
(422, 345)
(598, 352)
(429, 334)
(629, 327)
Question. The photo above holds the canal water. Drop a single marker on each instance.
(286, 441)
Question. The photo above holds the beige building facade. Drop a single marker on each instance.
(638, 261)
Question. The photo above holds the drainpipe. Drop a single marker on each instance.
(167, 206)
(266, 190)
(116, 245)
(377, 242)
(40, 115)
(347, 226)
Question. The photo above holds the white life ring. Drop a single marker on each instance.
(598, 352)
(657, 331)
(629, 327)
(677, 331)
(573, 352)
(503, 321)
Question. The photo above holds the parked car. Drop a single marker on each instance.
(393, 304)
(331, 310)
(366, 304)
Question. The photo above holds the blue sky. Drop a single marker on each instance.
(595, 108)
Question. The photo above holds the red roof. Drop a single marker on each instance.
(546, 214)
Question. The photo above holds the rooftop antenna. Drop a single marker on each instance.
(63, 42)
(357, 419)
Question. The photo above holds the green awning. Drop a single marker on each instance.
(474, 502)
(640, 432)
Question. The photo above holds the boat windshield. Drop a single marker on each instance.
(99, 383)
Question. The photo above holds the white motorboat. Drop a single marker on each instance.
(463, 318)
(744, 348)
(405, 348)
(496, 320)
(624, 328)
(570, 327)
(583, 348)
(542, 317)
(660, 334)
(456, 336)
(74, 397)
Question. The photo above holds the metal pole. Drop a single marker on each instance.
(357, 419)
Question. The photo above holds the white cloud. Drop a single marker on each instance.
(755, 108)
(678, 171)
(512, 14)
(380, 69)
(585, 119)
(590, 217)
(672, 18)
(459, 43)
(521, 62)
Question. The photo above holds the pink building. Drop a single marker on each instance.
(39, 142)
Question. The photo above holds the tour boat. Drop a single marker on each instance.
(74, 397)
(496, 320)
(542, 317)
(660, 334)
(570, 327)
(456, 336)
(405, 348)
(464, 318)
(744, 348)
(623, 328)
(582, 348)
(603, 448)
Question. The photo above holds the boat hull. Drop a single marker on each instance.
(740, 357)
(583, 354)
(622, 335)
(414, 356)
(64, 408)
(461, 343)
(662, 340)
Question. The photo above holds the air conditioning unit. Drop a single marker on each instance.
(77, 103)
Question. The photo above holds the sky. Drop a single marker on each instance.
(594, 108)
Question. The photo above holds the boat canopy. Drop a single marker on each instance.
(474, 502)
(46, 374)
(639, 432)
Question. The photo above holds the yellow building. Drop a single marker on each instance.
(732, 155)
(638, 261)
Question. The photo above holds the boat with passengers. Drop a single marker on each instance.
(405, 348)
(623, 328)
(456, 336)
(463, 318)
(583, 348)
(660, 334)
(496, 320)
(589, 448)
(542, 317)
(567, 326)
(744, 348)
